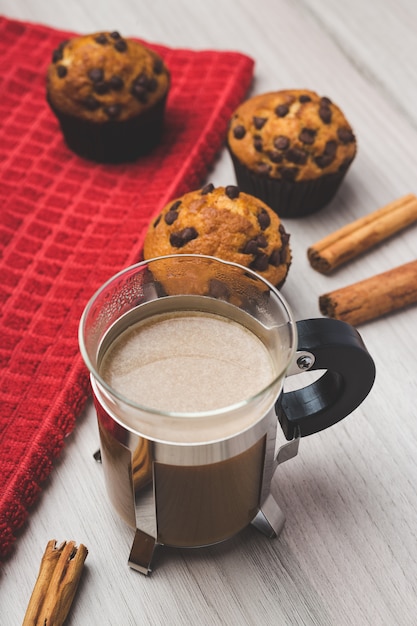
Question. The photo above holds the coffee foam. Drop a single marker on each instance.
(187, 362)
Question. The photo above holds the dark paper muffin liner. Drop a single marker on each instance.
(286, 198)
(113, 141)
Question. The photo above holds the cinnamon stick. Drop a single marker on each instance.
(56, 585)
(373, 297)
(359, 236)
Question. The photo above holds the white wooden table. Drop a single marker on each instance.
(348, 551)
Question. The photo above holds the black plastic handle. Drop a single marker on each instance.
(339, 349)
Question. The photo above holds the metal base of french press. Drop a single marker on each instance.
(142, 552)
(269, 521)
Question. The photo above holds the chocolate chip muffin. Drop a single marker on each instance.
(226, 223)
(291, 148)
(109, 95)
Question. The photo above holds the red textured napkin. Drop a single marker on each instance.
(66, 225)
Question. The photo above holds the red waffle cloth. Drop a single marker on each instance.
(66, 226)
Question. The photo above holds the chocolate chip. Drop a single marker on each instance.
(156, 222)
(345, 135)
(158, 66)
(330, 148)
(91, 103)
(170, 217)
(232, 191)
(101, 87)
(62, 71)
(101, 39)
(218, 289)
(322, 161)
(142, 79)
(275, 258)
(262, 168)
(116, 83)
(328, 155)
(264, 219)
(250, 247)
(281, 142)
(141, 85)
(57, 55)
(285, 237)
(96, 74)
(261, 241)
(259, 122)
(296, 155)
(304, 98)
(325, 101)
(172, 213)
(307, 135)
(275, 156)
(257, 143)
(113, 110)
(175, 205)
(120, 45)
(115, 35)
(239, 131)
(179, 239)
(139, 92)
(288, 173)
(325, 114)
(345, 164)
(260, 262)
(281, 110)
(207, 189)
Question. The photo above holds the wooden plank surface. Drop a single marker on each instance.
(348, 551)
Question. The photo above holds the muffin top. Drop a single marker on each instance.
(291, 135)
(102, 77)
(226, 223)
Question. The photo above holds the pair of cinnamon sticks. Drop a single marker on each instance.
(54, 590)
(380, 294)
